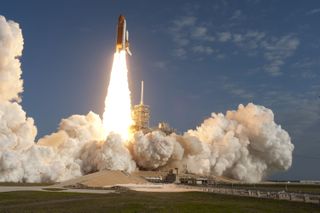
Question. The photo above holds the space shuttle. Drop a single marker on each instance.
(122, 36)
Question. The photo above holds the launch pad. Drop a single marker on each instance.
(141, 114)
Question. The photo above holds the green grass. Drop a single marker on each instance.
(24, 184)
(143, 202)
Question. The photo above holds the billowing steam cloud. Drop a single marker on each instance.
(77, 148)
(245, 144)
(11, 45)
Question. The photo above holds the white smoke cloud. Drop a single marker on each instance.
(110, 154)
(81, 147)
(245, 144)
(11, 45)
(152, 150)
(76, 148)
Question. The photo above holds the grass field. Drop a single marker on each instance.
(24, 184)
(143, 202)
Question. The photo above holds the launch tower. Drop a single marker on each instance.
(141, 114)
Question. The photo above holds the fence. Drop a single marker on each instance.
(279, 195)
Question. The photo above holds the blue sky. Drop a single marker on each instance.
(196, 57)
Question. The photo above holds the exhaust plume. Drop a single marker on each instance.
(117, 113)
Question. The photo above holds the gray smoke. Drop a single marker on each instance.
(245, 144)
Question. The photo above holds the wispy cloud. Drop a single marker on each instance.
(161, 65)
(274, 50)
(224, 36)
(237, 15)
(201, 33)
(202, 49)
(237, 91)
(277, 50)
(180, 52)
(313, 11)
(186, 30)
(307, 67)
(248, 40)
(179, 37)
(184, 21)
(195, 37)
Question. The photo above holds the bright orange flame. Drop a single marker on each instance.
(117, 112)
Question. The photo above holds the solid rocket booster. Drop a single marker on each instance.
(122, 36)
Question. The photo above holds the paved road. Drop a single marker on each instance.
(43, 188)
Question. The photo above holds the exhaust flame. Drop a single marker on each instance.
(117, 112)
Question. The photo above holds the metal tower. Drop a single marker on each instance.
(141, 113)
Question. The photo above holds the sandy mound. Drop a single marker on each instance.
(104, 178)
